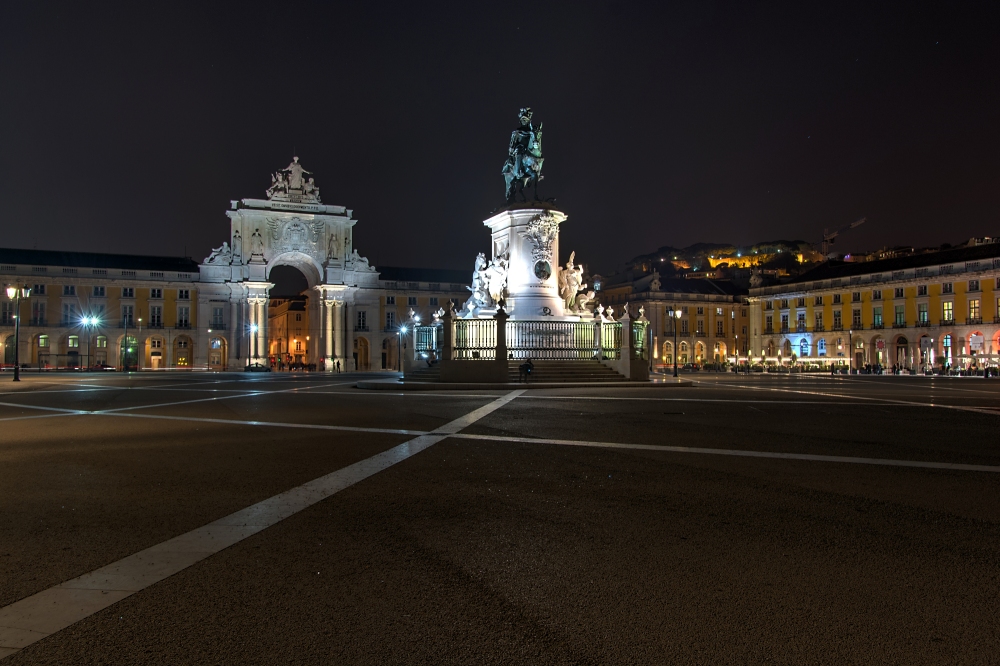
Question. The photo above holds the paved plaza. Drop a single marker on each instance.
(293, 518)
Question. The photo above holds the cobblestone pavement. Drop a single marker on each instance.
(292, 518)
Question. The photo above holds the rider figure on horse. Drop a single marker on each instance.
(524, 157)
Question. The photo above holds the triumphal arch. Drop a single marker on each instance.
(291, 227)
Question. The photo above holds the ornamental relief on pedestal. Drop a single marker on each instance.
(542, 230)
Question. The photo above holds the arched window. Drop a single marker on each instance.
(684, 347)
(101, 342)
(73, 342)
(216, 343)
(803, 347)
(43, 341)
(946, 347)
(821, 348)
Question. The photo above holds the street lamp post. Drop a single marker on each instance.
(88, 323)
(850, 351)
(399, 347)
(674, 314)
(253, 333)
(15, 293)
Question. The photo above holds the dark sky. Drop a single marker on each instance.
(129, 129)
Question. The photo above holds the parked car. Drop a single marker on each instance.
(258, 367)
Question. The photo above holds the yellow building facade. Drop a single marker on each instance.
(926, 312)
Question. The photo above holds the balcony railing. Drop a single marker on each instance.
(996, 319)
(819, 329)
(699, 334)
(973, 321)
(184, 325)
(37, 322)
(878, 326)
(784, 329)
(899, 324)
(154, 324)
(684, 334)
(947, 322)
(720, 334)
(218, 326)
(769, 329)
(857, 326)
(923, 323)
(124, 323)
(800, 328)
(837, 327)
(362, 329)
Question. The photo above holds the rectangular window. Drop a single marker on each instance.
(876, 316)
(701, 326)
(819, 321)
(900, 316)
(801, 321)
(39, 289)
(412, 301)
(818, 300)
(838, 322)
(298, 316)
(768, 305)
(897, 292)
(390, 320)
(298, 345)
(156, 293)
(362, 323)
(701, 310)
(184, 294)
(946, 288)
(156, 343)
(973, 285)
(856, 318)
(684, 325)
(99, 291)
(856, 297)
(769, 323)
(836, 299)
(921, 290)
(948, 311)
(390, 300)
(876, 294)
(43, 341)
(974, 312)
(6, 313)
(434, 301)
(69, 290)
(718, 328)
(127, 314)
(718, 311)
(784, 304)
(799, 303)
(101, 342)
(156, 316)
(38, 313)
(784, 322)
(128, 292)
(69, 316)
(922, 314)
(73, 342)
(184, 316)
(217, 318)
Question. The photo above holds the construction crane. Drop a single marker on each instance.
(829, 238)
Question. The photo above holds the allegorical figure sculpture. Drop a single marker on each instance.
(290, 183)
(237, 247)
(570, 283)
(524, 158)
(220, 255)
(256, 244)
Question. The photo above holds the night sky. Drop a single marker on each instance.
(129, 129)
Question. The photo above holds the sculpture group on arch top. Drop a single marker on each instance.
(311, 236)
(523, 275)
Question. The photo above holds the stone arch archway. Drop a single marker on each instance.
(311, 269)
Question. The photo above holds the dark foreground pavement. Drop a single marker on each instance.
(532, 534)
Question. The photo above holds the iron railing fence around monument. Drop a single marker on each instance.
(552, 339)
(427, 339)
(475, 340)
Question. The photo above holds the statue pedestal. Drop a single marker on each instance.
(530, 238)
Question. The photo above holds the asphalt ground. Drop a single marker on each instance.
(761, 519)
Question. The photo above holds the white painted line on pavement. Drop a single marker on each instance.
(33, 618)
(740, 453)
(912, 403)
